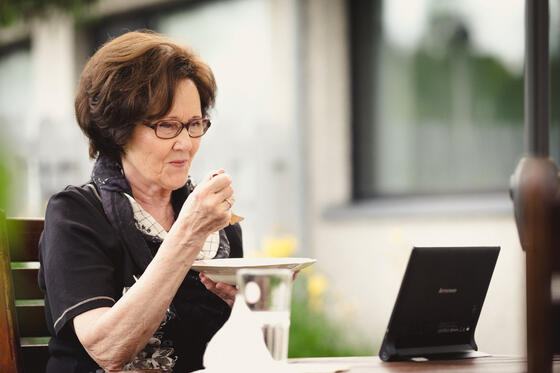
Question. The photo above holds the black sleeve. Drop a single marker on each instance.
(233, 233)
(79, 255)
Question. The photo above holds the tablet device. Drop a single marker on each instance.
(438, 304)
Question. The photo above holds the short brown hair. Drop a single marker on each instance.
(131, 79)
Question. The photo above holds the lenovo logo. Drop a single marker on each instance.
(447, 291)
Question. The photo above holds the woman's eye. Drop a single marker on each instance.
(166, 125)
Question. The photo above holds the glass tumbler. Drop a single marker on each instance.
(268, 293)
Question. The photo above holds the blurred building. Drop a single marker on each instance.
(363, 128)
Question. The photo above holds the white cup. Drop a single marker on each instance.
(268, 293)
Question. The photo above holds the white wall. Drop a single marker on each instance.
(249, 44)
(58, 153)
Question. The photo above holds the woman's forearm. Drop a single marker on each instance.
(113, 336)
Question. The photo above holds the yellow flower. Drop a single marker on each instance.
(316, 285)
(280, 247)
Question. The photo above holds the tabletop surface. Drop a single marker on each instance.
(490, 364)
(372, 364)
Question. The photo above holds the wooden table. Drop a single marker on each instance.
(491, 364)
(372, 364)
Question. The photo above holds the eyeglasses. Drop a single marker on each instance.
(168, 129)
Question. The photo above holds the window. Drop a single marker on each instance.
(438, 95)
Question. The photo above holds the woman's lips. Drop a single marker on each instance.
(178, 163)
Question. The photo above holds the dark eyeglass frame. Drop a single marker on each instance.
(187, 124)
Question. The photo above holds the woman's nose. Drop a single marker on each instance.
(183, 141)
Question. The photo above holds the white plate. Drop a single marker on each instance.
(225, 270)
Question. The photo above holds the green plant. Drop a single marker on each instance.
(313, 333)
(12, 11)
(4, 183)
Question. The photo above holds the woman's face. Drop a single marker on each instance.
(149, 161)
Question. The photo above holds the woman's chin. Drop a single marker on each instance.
(175, 183)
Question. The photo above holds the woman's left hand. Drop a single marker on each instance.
(225, 291)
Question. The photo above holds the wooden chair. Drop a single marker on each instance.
(23, 331)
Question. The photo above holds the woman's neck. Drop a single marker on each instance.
(153, 198)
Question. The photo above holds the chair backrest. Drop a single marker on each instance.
(23, 331)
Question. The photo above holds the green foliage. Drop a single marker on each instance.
(14, 10)
(446, 68)
(432, 86)
(495, 94)
(315, 334)
(493, 83)
(4, 183)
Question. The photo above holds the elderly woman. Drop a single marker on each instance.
(116, 252)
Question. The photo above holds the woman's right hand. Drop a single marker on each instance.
(208, 207)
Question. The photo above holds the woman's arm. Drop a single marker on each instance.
(113, 336)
